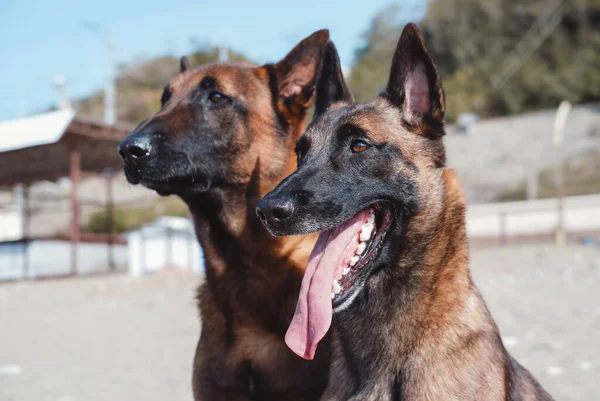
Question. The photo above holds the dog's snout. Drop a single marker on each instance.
(282, 210)
(135, 149)
(275, 210)
(302, 197)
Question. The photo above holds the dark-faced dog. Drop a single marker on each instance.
(390, 267)
(223, 137)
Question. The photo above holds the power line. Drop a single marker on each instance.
(109, 90)
(539, 31)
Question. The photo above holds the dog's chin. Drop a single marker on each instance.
(355, 275)
(174, 185)
(290, 229)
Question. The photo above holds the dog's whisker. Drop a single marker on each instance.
(189, 159)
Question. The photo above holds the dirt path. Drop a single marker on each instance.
(120, 339)
(98, 339)
(546, 302)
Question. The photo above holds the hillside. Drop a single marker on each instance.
(496, 157)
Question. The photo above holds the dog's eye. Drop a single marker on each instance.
(216, 97)
(359, 146)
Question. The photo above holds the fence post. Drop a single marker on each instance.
(557, 138)
(110, 217)
(75, 234)
(503, 233)
(169, 250)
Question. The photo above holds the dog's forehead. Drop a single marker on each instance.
(378, 119)
(322, 130)
(233, 79)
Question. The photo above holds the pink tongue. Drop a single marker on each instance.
(331, 253)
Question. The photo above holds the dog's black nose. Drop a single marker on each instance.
(135, 149)
(274, 210)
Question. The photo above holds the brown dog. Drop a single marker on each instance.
(390, 269)
(223, 138)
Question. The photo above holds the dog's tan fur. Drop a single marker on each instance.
(245, 309)
(252, 279)
(446, 345)
(419, 329)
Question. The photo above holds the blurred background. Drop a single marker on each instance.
(98, 277)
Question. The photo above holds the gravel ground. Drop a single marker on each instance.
(119, 338)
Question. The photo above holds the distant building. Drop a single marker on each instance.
(48, 147)
(465, 121)
(169, 242)
(10, 224)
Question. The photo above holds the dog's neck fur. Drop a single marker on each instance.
(431, 282)
(239, 252)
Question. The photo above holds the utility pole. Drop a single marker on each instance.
(109, 83)
(60, 83)
(109, 89)
(222, 54)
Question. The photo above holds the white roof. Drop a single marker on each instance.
(40, 129)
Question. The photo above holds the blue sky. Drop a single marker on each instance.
(40, 39)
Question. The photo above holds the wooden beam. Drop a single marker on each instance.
(110, 216)
(96, 143)
(97, 131)
(30, 179)
(75, 158)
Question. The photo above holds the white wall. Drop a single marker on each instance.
(52, 258)
(155, 250)
(581, 213)
(10, 226)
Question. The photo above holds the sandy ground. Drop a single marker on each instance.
(97, 339)
(118, 338)
(546, 302)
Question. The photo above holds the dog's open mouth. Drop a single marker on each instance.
(335, 274)
(362, 249)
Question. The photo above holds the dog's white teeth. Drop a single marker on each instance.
(361, 248)
(345, 271)
(371, 218)
(337, 287)
(367, 230)
(332, 295)
(354, 260)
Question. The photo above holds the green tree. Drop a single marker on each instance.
(373, 58)
(126, 219)
(472, 42)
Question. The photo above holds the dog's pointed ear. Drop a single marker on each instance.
(415, 85)
(295, 75)
(184, 64)
(331, 87)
